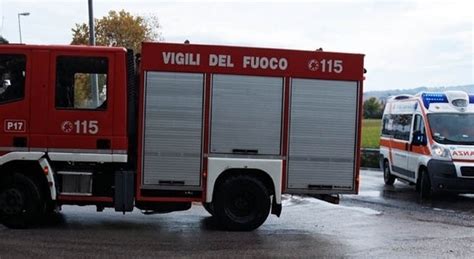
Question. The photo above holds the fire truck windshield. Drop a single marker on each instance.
(452, 128)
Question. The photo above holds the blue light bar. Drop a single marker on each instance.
(429, 98)
(471, 99)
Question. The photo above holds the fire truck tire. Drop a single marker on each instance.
(209, 207)
(426, 190)
(21, 202)
(241, 203)
(388, 178)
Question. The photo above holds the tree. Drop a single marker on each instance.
(116, 29)
(119, 29)
(3, 40)
(372, 108)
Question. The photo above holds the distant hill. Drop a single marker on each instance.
(383, 95)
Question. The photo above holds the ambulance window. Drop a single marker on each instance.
(387, 123)
(12, 72)
(81, 82)
(402, 126)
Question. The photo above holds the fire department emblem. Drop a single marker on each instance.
(313, 65)
(67, 127)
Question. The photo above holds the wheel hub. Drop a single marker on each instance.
(241, 204)
(11, 201)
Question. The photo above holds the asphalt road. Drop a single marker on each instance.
(380, 222)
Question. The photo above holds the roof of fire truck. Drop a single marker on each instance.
(112, 49)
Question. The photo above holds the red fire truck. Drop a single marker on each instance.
(231, 127)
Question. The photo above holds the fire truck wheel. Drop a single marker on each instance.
(388, 178)
(21, 202)
(209, 207)
(241, 203)
(426, 191)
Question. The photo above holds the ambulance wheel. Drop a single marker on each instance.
(209, 208)
(426, 190)
(21, 202)
(388, 178)
(241, 203)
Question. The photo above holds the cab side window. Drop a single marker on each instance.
(81, 82)
(419, 125)
(13, 73)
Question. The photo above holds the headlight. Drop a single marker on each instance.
(440, 152)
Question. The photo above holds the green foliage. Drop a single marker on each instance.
(373, 109)
(119, 29)
(371, 133)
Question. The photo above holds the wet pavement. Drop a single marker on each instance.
(380, 222)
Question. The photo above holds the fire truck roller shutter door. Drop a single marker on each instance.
(173, 129)
(246, 114)
(322, 135)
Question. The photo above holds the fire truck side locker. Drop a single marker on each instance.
(246, 115)
(323, 134)
(173, 128)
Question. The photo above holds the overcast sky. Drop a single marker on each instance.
(407, 43)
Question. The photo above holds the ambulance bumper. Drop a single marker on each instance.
(444, 177)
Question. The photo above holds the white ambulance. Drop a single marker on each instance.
(428, 140)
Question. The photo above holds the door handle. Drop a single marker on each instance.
(20, 142)
(103, 144)
(245, 151)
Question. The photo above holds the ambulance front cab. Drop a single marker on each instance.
(427, 140)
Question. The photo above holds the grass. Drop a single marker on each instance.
(370, 133)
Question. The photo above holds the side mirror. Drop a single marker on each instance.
(419, 139)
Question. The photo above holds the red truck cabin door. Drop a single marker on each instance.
(14, 95)
(80, 118)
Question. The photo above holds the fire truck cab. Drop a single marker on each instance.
(427, 140)
(231, 127)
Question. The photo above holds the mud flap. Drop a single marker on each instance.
(276, 208)
(124, 190)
